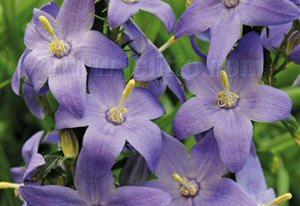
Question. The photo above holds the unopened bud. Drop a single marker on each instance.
(293, 42)
(69, 144)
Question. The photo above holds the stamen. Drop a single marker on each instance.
(279, 200)
(169, 43)
(131, 1)
(48, 26)
(189, 3)
(187, 188)
(8, 185)
(226, 98)
(116, 114)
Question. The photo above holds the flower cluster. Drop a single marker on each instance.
(113, 108)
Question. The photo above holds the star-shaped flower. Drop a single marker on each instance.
(196, 178)
(115, 113)
(225, 19)
(229, 103)
(151, 65)
(252, 179)
(60, 45)
(119, 11)
(94, 185)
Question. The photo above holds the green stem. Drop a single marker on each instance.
(5, 83)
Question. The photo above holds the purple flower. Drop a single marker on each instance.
(225, 19)
(60, 47)
(228, 104)
(32, 158)
(151, 64)
(120, 11)
(115, 114)
(252, 179)
(94, 185)
(275, 37)
(196, 178)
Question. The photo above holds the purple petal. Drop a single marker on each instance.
(295, 55)
(175, 85)
(157, 87)
(199, 17)
(145, 137)
(224, 35)
(234, 144)
(68, 85)
(93, 179)
(37, 65)
(51, 8)
(31, 100)
(139, 196)
(246, 63)
(96, 50)
(174, 159)
(266, 104)
(268, 12)
(75, 18)
(194, 117)
(119, 12)
(31, 146)
(19, 74)
(107, 85)
(134, 34)
(266, 197)
(162, 10)
(142, 104)
(200, 81)
(251, 176)
(35, 162)
(18, 174)
(224, 192)
(275, 36)
(206, 159)
(51, 195)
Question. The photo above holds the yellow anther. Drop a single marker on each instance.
(281, 199)
(8, 185)
(187, 188)
(129, 88)
(224, 80)
(48, 26)
(189, 2)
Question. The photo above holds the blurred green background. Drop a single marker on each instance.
(277, 146)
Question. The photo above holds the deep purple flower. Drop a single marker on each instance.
(120, 11)
(32, 158)
(273, 39)
(60, 47)
(151, 64)
(252, 179)
(225, 19)
(228, 104)
(94, 185)
(196, 179)
(114, 114)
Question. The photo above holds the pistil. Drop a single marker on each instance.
(58, 47)
(188, 188)
(279, 200)
(226, 98)
(116, 114)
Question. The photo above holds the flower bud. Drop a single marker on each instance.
(69, 144)
(293, 42)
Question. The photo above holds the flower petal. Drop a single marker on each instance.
(139, 196)
(206, 159)
(68, 85)
(96, 50)
(268, 12)
(175, 85)
(194, 117)
(51, 195)
(199, 17)
(233, 132)
(119, 12)
(295, 55)
(31, 146)
(51, 8)
(19, 74)
(162, 10)
(224, 192)
(145, 137)
(224, 35)
(75, 18)
(31, 100)
(251, 176)
(93, 179)
(246, 63)
(266, 104)
(18, 174)
(142, 104)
